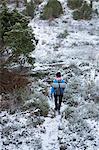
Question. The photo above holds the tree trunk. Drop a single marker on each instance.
(25, 2)
(17, 3)
(91, 3)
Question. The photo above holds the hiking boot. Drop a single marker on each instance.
(55, 109)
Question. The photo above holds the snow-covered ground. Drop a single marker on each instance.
(77, 56)
(79, 44)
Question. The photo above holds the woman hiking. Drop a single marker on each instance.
(57, 90)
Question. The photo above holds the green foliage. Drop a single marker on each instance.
(4, 21)
(68, 112)
(30, 60)
(63, 35)
(53, 9)
(73, 4)
(19, 40)
(43, 106)
(30, 7)
(16, 35)
(8, 19)
(38, 103)
(37, 2)
(18, 17)
(83, 9)
(85, 12)
(1, 43)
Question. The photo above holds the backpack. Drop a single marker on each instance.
(59, 87)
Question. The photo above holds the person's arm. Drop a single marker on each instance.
(63, 81)
(52, 90)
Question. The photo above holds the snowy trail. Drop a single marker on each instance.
(50, 138)
(52, 51)
(52, 125)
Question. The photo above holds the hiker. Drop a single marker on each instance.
(57, 89)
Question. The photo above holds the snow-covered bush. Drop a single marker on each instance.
(53, 9)
(38, 1)
(73, 4)
(43, 106)
(74, 85)
(68, 112)
(63, 35)
(84, 12)
(38, 101)
(30, 7)
(89, 110)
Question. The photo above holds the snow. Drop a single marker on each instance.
(52, 125)
(80, 41)
(50, 138)
(80, 47)
(97, 81)
(28, 1)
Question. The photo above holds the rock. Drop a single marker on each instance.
(60, 127)
(3, 121)
(20, 142)
(90, 138)
(74, 139)
(43, 130)
(7, 142)
(63, 147)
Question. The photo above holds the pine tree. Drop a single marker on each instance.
(20, 41)
(16, 36)
(30, 7)
(53, 9)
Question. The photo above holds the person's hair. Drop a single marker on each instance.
(58, 74)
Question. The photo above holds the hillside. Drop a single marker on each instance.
(27, 117)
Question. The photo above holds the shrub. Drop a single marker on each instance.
(52, 10)
(73, 4)
(38, 1)
(85, 12)
(63, 35)
(38, 101)
(43, 106)
(30, 7)
(69, 112)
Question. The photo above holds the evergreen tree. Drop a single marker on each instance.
(20, 41)
(84, 12)
(30, 7)
(16, 36)
(74, 4)
(53, 9)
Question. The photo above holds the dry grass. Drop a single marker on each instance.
(11, 80)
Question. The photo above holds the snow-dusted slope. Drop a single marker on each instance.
(78, 52)
(82, 42)
(81, 45)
